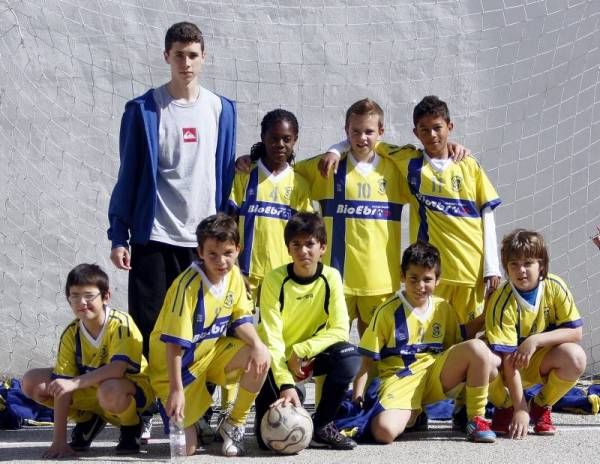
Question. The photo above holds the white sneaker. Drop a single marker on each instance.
(146, 429)
(233, 438)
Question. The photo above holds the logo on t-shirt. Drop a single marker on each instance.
(189, 135)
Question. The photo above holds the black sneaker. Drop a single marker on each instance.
(84, 433)
(130, 439)
(459, 419)
(421, 423)
(329, 436)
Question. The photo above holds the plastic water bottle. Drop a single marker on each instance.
(177, 440)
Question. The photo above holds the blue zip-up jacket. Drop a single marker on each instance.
(132, 204)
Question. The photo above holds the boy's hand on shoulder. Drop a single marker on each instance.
(458, 152)
(243, 164)
(328, 162)
(259, 360)
(287, 397)
(491, 284)
(59, 450)
(121, 258)
(519, 425)
(59, 387)
(175, 404)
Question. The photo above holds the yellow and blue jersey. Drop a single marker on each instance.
(362, 213)
(510, 319)
(194, 315)
(119, 340)
(304, 315)
(264, 203)
(404, 342)
(445, 210)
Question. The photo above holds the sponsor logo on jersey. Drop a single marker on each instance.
(189, 135)
(215, 330)
(448, 206)
(308, 296)
(366, 210)
(275, 211)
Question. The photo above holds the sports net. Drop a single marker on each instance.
(521, 78)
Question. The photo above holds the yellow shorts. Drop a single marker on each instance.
(418, 389)
(364, 306)
(210, 368)
(466, 301)
(84, 402)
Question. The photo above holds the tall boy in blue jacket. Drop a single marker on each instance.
(177, 150)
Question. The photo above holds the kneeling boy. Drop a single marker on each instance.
(99, 375)
(189, 346)
(412, 338)
(303, 319)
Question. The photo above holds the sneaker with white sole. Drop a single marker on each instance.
(146, 429)
(233, 438)
(329, 436)
(84, 433)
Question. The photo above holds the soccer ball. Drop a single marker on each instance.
(286, 429)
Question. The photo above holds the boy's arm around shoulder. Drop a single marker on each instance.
(338, 324)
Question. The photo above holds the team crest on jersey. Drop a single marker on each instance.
(457, 183)
(228, 303)
(103, 355)
(547, 315)
(381, 185)
(533, 328)
(436, 330)
(287, 192)
(189, 135)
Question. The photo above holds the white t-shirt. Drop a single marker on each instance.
(187, 138)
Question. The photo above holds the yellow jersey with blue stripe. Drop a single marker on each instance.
(403, 341)
(119, 340)
(510, 319)
(264, 202)
(194, 315)
(306, 315)
(445, 210)
(362, 212)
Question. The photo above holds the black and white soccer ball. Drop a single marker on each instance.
(286, 429)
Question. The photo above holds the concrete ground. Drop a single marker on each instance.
(576, 441)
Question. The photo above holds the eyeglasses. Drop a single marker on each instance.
(88, 297)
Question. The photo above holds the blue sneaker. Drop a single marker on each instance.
(479, 431)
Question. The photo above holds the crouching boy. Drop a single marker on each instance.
(99, 375)
(304, 321)
(190, 345)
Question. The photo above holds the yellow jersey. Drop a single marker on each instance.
(445, 210)
(304, 315)
(510, 319)
(362, 212)
(119, 340)
(264, 202)
(404, 342)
